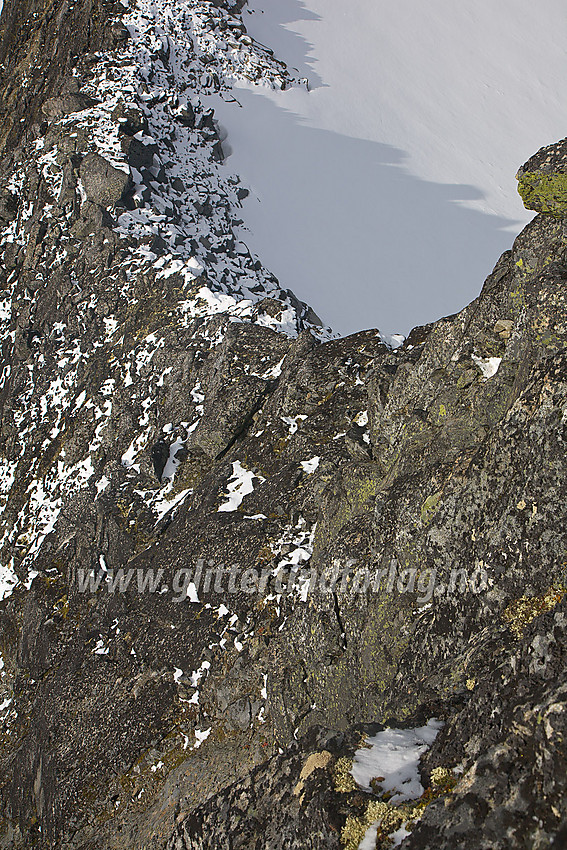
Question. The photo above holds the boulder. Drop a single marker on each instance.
(65, 104)
(542, 180)
(8, 206)
(104, 184)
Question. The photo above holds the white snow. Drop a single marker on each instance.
(160, 504)
(110, 325)
(201, 736)
(309, 466)
(191, 592)
(293, 422)
(488, 366)
(198, 397)
(297, 543)
(100, 648)
(8, 580)
(394, 755)
(273, 371)
(80, 400)
(102, 485)
(198, 674)
(399, 835)
(172, 463)
(239, 486)
(384, 195)
(135, 448)
(7, 479)
(369, 840)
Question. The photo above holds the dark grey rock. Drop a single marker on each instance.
(8, 206)
(104, 185)
(57, 107)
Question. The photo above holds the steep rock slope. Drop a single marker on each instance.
(169, 411)
(467, 473)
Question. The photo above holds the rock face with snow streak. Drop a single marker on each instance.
(169, 411)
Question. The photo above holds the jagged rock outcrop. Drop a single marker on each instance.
(542, 180)
(231, 544)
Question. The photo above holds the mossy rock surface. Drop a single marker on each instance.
(542, 180)
(544, 193)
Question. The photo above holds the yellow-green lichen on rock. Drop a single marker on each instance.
(390, 819)
(544, 193)
(520, 613)
(429, 508)
(344, 780)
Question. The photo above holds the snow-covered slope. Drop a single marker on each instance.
(384, 194)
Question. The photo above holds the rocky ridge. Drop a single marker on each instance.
(168, 410)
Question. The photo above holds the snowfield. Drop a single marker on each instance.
(385, 194)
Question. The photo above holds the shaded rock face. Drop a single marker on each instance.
(232, 544)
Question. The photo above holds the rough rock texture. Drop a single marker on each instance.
(316, 536)
(542, 180)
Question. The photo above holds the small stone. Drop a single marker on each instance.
(186, 116)
(503, 328)
(117, 35)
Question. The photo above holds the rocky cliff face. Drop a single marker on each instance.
(231, 544)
